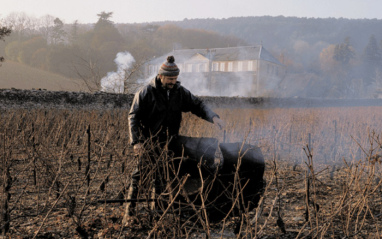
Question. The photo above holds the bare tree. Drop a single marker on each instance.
(4, 31)
(73, 33)
(88, 71)
(126, 82)
(46, 25)
(132, 76)
(20, 23)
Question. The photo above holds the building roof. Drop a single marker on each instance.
(221, 54)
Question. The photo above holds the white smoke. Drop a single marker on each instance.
(197, 84)
(235, 85)
(147, 80)
(114, 81)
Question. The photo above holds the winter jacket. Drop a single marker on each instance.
(156, 112)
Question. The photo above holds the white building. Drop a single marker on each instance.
(249, 71)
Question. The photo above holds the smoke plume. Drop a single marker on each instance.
(114, 81)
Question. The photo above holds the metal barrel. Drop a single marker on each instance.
(247, 159)
(243, 161)
(196, 149)
(243, 164)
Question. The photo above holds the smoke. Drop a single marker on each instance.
(143, 82)
(229, 86)
(114, 81)
(197, 84)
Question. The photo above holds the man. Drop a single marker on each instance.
(156, 113)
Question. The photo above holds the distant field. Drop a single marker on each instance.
(333, 132)
(19, 76)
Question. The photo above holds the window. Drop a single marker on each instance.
(240, 66)
(215, 66)
(230, 66)
(250, 65)
(195, 68)
(189, 68)
(202, 67)
(222, 66)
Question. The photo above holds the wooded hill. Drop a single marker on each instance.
(283, 33)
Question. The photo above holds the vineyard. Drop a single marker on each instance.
(323, 174)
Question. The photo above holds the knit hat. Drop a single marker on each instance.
(169, 68)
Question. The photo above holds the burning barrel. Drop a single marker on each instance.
(240, 178)
(237, 176)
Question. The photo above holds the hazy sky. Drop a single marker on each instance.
(130, 11)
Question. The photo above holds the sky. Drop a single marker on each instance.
(139, 11)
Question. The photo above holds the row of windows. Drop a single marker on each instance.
(229, 66)
(233, 66)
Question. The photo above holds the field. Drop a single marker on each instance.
(20, 76)
(322, 174)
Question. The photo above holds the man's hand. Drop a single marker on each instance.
(219, 122)
(138, 148)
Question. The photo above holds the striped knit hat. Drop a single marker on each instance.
(169, 68)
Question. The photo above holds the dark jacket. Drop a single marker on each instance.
(153, 114)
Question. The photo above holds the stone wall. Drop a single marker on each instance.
(14, 98)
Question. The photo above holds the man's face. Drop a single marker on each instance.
(168, 82)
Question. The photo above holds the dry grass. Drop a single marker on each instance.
(52, 175)
(333, 133)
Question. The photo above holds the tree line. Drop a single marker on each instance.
(341, 57)
(89, 50)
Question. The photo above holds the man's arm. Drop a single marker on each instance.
(200, 109)
(219, 122)
(134, 119)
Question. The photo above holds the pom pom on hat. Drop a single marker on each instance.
(169, 68)
(170, 59)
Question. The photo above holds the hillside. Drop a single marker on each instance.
(286, 33)
(20, 76)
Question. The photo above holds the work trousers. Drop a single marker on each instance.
(155, 167)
